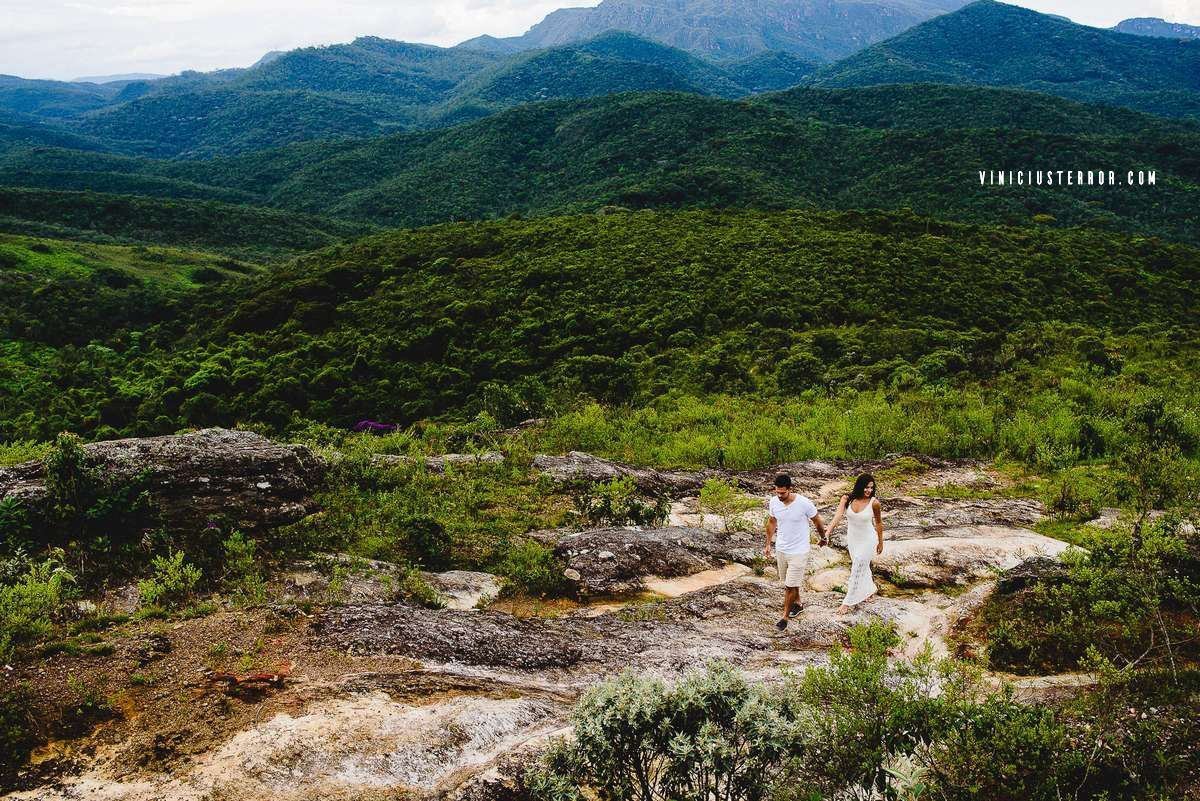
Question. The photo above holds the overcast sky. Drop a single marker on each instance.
(66, 39)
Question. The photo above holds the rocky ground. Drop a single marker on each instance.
(375, 699)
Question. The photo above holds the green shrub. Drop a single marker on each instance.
(173, 582)
(712, 735)
(18, 735)
(1136, 734)
(413, 587)
(101, 520)
(860, 710)
(29, 603)
(997, 750)
(15, 527)
(1131, 599)
(530, 568)
(242, 575)
(19, 451)
(426, 541)
(617, 503)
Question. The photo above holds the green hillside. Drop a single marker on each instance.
(925, 107)
(240, 230)
(672, 150)
(68, 294)
(223, 121)
(52, 99)
(771, 71)
(611, 63)
(118, 265)
(1033, 51)
(892, 147)
(514, 317)
(372, 86)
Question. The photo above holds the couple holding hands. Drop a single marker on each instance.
(788, 531)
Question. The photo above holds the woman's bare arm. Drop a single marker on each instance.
(839, 514)
(878, 508)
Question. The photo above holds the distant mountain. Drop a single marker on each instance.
(130, 76)
(1153, 26)
(1033, 51)
(491, 44)
(611, 63)
(890, 147)
(267, 58)
(52, 99)
(374, 86)
(818, 30)
(771, 71)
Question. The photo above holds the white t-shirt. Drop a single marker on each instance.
(791, 519)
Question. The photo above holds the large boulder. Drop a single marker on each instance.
(215, 473)
(614, 561)
(578, 468)
(1031, 572)
(471, 638)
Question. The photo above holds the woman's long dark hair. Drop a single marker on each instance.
(860, 487)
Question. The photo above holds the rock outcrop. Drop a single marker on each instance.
(215, 473)
(439, 464)
(384, 698)
(614, 561)
(464, 589)
(579, 468)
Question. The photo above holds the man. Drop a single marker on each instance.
(787, 527)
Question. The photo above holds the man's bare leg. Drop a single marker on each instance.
(790, 596)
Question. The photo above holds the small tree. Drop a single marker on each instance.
(1156, 475)
(724, 500)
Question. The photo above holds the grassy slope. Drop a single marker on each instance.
(59, 259)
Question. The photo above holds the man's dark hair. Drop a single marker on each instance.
(783, 480)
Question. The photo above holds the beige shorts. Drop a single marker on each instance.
(791, 567)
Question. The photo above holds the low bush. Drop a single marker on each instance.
(18, 734)
(29, 603)
(1133, 600)
(242, 574)
(530, 568)
(173, 583)
(866, 727)
(712, 735)
(726, 501)
(617, 503)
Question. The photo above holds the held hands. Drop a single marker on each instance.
(879, 548)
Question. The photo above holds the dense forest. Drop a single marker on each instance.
(513, 317)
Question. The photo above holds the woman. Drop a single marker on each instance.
(862, 512)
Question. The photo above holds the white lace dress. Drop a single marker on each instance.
(861, 540)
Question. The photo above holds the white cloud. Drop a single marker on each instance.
(67, 38)
(64, 39)
(1106, 13)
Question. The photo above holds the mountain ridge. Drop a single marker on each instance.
(1032, 51)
